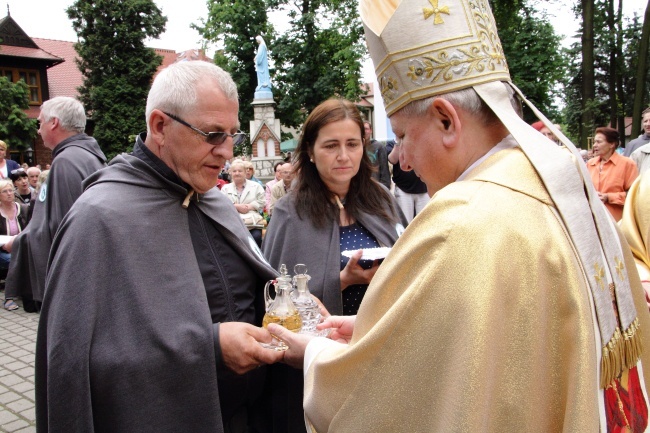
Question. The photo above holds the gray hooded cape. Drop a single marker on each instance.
(75, 158)
(140, 355)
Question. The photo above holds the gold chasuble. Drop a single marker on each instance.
(511, 303)
(480, 319)
(636, 223)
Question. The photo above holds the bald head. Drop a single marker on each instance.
(32, 175)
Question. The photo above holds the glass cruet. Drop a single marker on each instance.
(281, 309)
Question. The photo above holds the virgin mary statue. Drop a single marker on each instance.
(263, 89)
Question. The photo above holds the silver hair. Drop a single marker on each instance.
(174, 89)
(69, 111)
(5, 183)
(238, 162)
(466, 99)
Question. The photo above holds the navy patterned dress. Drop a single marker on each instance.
(355, 237)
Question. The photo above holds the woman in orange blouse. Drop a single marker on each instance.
(611, 173)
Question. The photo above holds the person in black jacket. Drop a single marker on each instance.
(378, 156)
(410, 192)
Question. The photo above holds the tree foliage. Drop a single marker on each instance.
(16, 129)
(530, 44)
(116, 65)
(614, 80)
(319, 57)
(642, 71)
(588, 108)
(233, 26)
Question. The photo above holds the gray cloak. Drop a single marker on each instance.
(140, 355)
(75, 158)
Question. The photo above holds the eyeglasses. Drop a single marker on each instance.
(18, 170)
(213, 138)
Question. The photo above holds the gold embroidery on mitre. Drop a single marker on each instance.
(435, 10)
(388, 86)
(599, 275)
(620, 266)
(418, 71)
(472, 59)
(621, 352)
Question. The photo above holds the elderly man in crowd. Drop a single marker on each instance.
(75, 156)
(643, 139)
(283, 187)
(168, 277)
(508, 304)
(641, 145)
(32, 175)
(269, 185)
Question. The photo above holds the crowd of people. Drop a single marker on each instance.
(510, 299)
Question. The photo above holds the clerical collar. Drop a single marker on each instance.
(508, 142)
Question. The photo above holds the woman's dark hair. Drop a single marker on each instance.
(611, 134)
(313, 198)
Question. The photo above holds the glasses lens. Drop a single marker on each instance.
(18, 170)
(216, 138)
(238, 138)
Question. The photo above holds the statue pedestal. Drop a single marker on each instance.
(263, 95)
(265, 137)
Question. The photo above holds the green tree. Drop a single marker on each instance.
(319, 57)
(587, 120)
(530, 44)
(632, 33)
(616, 54)
(116, 65)
(16, 129)
(642, 72)
(233, 25)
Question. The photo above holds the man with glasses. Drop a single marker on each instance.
(62, 122)
(168, 279)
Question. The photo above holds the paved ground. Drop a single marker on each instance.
(17, 345)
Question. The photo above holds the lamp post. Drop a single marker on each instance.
(29, 153)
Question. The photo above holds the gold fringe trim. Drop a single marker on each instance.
(621, 352)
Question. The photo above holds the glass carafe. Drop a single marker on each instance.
(281, 309)
(304, 302)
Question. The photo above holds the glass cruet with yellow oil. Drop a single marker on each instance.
(281, 309)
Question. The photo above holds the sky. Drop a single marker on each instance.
(47, 19)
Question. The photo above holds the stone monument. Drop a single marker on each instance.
(264, 128)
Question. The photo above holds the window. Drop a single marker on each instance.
(29, 76)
